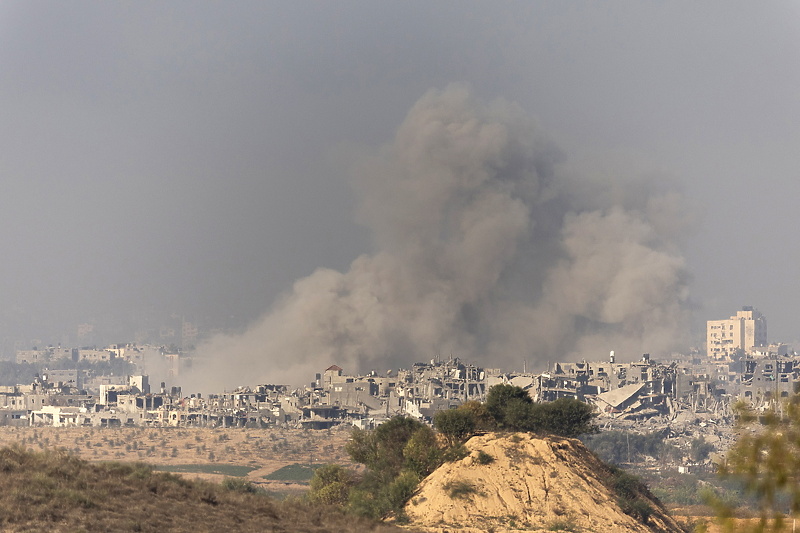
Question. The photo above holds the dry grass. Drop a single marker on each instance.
(263, 450)
(55, 491)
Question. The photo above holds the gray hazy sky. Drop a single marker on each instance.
(190, 159)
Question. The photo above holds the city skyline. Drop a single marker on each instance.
(196, 160)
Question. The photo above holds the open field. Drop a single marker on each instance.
(57, 492)
(210, 454)
(703, 514)
(278, 460)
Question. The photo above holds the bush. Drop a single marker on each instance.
(455, 453)
(377, 501)
(239, 485)
(563, 524)
(484, 458)
(381, 449)
(397, 455)
(401, 490)
(421, 453)
(455, 424)
(460, 489)
(480, 414)
(699, 449)
(619, 447)
(630, 491)
(509, 406)
(566, 417)
(331, 485)
(513, 409)
(639, 509)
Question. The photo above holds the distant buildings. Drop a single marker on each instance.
(45, 355)
(738, 335)
(740, 366)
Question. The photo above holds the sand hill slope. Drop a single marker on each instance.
(522, 482)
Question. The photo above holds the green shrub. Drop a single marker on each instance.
(455, 453)
(638, 508)
(331, 485)
(484, 458)
(460, 489)
(397, 455)
(381, 449)
(699, 449)
(238, 485)
(619, 447)
(509, 406)
(631, 493)
(480, 414)
(401, 490)
(566, 417)
(455, 424)
(625, 485)
(513, 409)
(421, 453)
(563, 524)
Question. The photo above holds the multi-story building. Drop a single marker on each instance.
(48, 354)
(740, 334)
(31, 356)
(95, 356)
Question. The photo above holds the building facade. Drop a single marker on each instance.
(740, 334)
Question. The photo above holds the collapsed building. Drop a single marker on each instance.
(638, 389)
(419, 391)
(632, 391)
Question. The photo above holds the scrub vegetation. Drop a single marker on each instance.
(56, 491)
(401, 452)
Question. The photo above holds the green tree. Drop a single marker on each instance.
(513, 409)
(699, 449)
(480, 414)
(331, 485)
(455, 424)
(566, 417)
(397, 454)
(422, 453)
(509, 405)
(381, 449)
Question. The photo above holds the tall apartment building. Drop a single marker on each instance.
(740, 333)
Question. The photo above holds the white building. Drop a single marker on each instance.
(741, 333)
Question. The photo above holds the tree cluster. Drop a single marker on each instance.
(397, 455)
(510, 408)
(402, 451)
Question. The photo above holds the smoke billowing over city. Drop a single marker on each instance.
(485, 249)
(361, 265)
(267, 189)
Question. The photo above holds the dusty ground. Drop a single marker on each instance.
(265, 449)
(746, 519)
(521, 482)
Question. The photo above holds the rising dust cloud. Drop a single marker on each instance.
(485, 250)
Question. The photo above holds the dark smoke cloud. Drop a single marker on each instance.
(484, 251)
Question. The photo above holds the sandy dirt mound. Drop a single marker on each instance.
(522, 482)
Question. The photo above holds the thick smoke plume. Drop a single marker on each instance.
(485, 251)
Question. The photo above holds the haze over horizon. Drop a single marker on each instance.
(195, 160)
